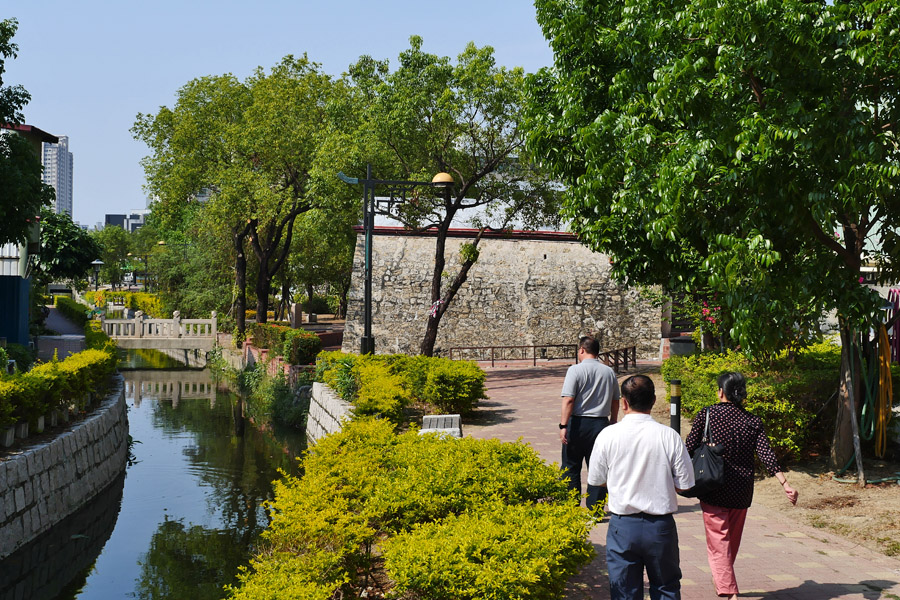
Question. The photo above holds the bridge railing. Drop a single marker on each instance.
(176, 327)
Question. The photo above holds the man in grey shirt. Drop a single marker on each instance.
(590, 402)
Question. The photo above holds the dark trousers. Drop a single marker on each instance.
(580, 435)
(638, 542)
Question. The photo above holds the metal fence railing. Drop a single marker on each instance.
(620, 359)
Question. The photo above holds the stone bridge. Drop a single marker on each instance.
(162, 334)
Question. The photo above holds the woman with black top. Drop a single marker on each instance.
(725, 509)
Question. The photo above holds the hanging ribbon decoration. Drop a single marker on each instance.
(435, 307)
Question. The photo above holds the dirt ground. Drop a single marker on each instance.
(868, 516)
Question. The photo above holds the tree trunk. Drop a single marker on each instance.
(240, 279)
(437, 310)
(263, 283)
(846, 430)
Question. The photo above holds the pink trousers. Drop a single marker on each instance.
(724, 527)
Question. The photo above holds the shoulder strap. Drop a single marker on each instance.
(706, 428)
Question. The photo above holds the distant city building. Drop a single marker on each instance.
(117, 220)
(57, 161)
(130, 222)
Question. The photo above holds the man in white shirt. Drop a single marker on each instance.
(590, 402)
(644, 464)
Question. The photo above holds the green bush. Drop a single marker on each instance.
(450, 386)
(454, 386)
(296, 346)
(320, 304)
(785, 394)
(55, 384)
(379, 392)
(502, 552)
(478, 514)
(149, 304)
(23, 356)
(75, 312)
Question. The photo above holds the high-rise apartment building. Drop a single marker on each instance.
(57, 161)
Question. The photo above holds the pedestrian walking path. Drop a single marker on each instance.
(61, 325)
(779, 559)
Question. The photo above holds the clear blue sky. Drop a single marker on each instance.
(92, 65)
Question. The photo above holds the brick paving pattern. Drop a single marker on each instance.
(779, 559)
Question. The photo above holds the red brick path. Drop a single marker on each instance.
(779, 559)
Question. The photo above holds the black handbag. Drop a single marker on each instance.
(709, 466)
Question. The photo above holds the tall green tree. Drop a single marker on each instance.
(253, 149)
(67, 250)
(748, 149)
(20, 168)
(434, 115)
(115, 244)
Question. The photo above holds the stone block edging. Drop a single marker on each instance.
(327, 411)
(43, 484)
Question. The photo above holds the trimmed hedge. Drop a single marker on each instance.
(75, 312)
(295, 346)
(784, 394)
(454, 518)
(386, 384)
(54, 385)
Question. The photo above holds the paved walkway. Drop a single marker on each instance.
(61, 325)
(779, 559)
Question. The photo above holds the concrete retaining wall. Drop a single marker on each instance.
(326, 411)
(43, 484)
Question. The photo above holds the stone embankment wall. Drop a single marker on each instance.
(523, 291)
(326, 411)
(44, 483)
(45, 566)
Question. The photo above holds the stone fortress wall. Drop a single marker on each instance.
(46, 482)
(526, 289)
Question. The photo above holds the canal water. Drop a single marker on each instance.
(188, 511)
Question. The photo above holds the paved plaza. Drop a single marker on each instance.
(779, 559)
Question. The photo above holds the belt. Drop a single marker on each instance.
(587, 417)
(641, 515)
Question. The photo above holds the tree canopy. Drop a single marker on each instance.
(255, 154)
(67, 250)
(432, 115)
(20, 168)
(747, 149)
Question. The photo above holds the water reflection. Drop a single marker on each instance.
(193, 501)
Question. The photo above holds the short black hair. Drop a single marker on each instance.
(640, 392)
(589, 344)
(734, 386)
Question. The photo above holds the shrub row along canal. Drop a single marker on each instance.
(188, 511)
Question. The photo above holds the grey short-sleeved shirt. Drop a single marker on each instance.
(594, 387)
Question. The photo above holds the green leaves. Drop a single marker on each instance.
(719, 144)
(453, 518)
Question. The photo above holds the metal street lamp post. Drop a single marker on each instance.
(395, 194)
(97, 264)
(184, 246)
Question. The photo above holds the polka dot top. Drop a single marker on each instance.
(743, 435)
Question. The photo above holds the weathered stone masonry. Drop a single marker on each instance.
(42, 485)
(525, 289)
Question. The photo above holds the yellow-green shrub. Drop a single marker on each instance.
(451, 386)
(379, 392)
(72, 310)
(454, 386)
(55, 384)
(507, 513)
(501, 552)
